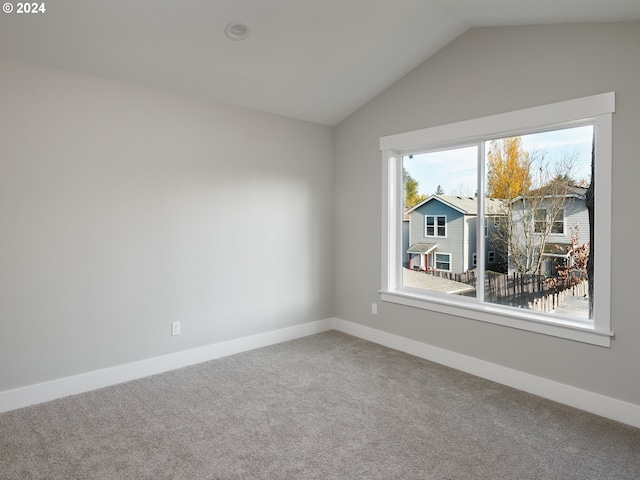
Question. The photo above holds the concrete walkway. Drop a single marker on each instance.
(577, 307)
(420, 279)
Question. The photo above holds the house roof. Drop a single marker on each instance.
(577, 190)
(422, 247)
(571, 191)
(465, 205)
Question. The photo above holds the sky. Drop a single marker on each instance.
(456, 170)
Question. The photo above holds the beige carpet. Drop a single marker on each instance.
(329, 406)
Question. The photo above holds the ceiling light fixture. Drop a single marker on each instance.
(236, 31)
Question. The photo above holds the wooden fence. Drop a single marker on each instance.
(469, 277)
(516, 289)
(551, 302)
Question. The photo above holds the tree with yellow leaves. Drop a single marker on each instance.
(508, 165)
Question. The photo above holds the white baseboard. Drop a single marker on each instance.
(602, 405)
(582, 399)
(43, 392)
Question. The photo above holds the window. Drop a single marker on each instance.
(527, 208)
(435, 226)
(557, 225)
(443, 261)
(541, 219)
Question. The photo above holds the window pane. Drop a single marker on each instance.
(443, 261)
(536, 186)
(439, 231)
(558, 223)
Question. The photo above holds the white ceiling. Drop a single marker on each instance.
(316, 60)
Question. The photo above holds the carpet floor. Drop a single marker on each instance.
(327, 406)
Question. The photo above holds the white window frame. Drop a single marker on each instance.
(435, 261)
(490, 254)
(597, 110)
(435, 226)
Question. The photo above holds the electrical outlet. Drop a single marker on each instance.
(374, 309)
(175, 328)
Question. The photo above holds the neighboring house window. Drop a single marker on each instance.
(541, 218)
(558, 223)
(518, 199)
(435, 225)
(475, 259)
(443, 261)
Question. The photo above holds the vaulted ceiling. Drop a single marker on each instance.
(315, 60)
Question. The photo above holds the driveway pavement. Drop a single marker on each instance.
(420, 279)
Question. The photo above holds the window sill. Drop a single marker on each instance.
(524, 320)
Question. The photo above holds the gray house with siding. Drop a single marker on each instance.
(442, 234)
(573, 216)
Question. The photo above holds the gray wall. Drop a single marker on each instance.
(123, 209)
(483, 72)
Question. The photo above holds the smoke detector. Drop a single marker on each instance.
(236, 31)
